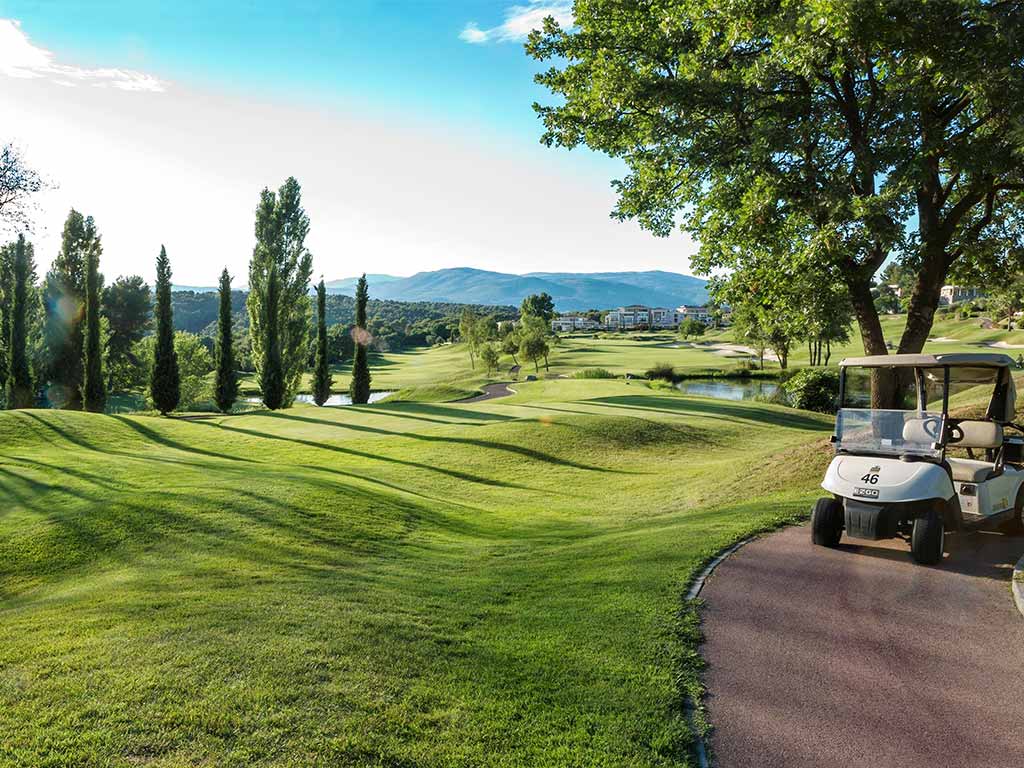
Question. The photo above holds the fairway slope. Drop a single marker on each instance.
(406, 584)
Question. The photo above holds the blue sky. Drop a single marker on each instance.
(452, 74)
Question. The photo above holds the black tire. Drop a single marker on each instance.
(926, 539)
(1015, 525)
(827, 522)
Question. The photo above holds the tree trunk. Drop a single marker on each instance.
(867, 316)
(924, 300)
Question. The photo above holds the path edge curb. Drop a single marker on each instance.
(692, 593)
(1017, 585)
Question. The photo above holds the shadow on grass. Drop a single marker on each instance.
(374, 457)
(157, 437)
(682, 404)
(527, 453)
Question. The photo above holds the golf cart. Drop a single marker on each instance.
(892, 475)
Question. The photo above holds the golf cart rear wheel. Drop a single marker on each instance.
(827, 522)
(926, 538)
(1015, 525)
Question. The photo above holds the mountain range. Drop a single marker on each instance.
(571, 291)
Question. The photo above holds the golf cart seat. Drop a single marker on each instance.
(975, 434)
(971, 470)
(965, 434)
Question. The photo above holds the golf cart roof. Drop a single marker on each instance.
(972, 359)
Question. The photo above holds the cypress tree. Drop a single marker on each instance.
(64, 302)
(94, 394)
(19, 379)
(7, 255)
(322, 378)
(359, 389)
(281, 229)
(165, 385)
(272, 384)
(226, 388)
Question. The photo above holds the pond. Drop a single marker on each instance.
(728, 389)
(332, 400)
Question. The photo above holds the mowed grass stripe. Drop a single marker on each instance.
(420, 584)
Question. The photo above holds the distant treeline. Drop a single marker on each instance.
(394, 324)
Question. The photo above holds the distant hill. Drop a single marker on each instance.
(571, 291)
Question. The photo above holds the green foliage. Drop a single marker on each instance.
(18, 385)
(510, 344)
(64, 300)
(359, 386)
(226, 382)
(322, 378)
(833, 134)
(194, 367)
(1007, 298)
(593, 373)
(490, 357)
(340, 344)
(662, 371)
(127, 307)
(538, 305)
(94, 387)
(6, 307)
(814, 389)
(691, 326)
(165, 379)
(271, 367)
(533, 342)
(281, 229)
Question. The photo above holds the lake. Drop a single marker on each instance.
(728, 389)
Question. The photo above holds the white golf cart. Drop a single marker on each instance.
(891, 475)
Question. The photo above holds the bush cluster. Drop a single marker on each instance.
(813, 389)
(663, 371)
(593, 373)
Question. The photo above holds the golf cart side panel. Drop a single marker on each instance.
(886, 480)
(993, 496)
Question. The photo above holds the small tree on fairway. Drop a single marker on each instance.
(19, 379)
(489, 356)
(322, 378)
(94, 392)
(691, 326)
(226, 388)
(271, 373)
(165, 384)
(359, 389)
(533, 343)
(510, 345)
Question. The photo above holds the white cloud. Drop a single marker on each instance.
(384, 195)
(520, 20)
(20, 58)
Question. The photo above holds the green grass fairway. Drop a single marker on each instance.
(406, 584)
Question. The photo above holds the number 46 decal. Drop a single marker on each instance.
(870, 478)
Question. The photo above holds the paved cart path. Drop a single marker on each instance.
(858, 657)
(490, 392)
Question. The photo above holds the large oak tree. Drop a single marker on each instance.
(857, 130)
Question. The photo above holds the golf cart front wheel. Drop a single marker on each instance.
(927, 539)
(827, 522)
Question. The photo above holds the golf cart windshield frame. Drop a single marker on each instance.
(889, 447)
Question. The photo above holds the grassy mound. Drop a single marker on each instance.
(400, 584)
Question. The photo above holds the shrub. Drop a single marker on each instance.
(814, 389)
(663, 371)
(593, 373)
